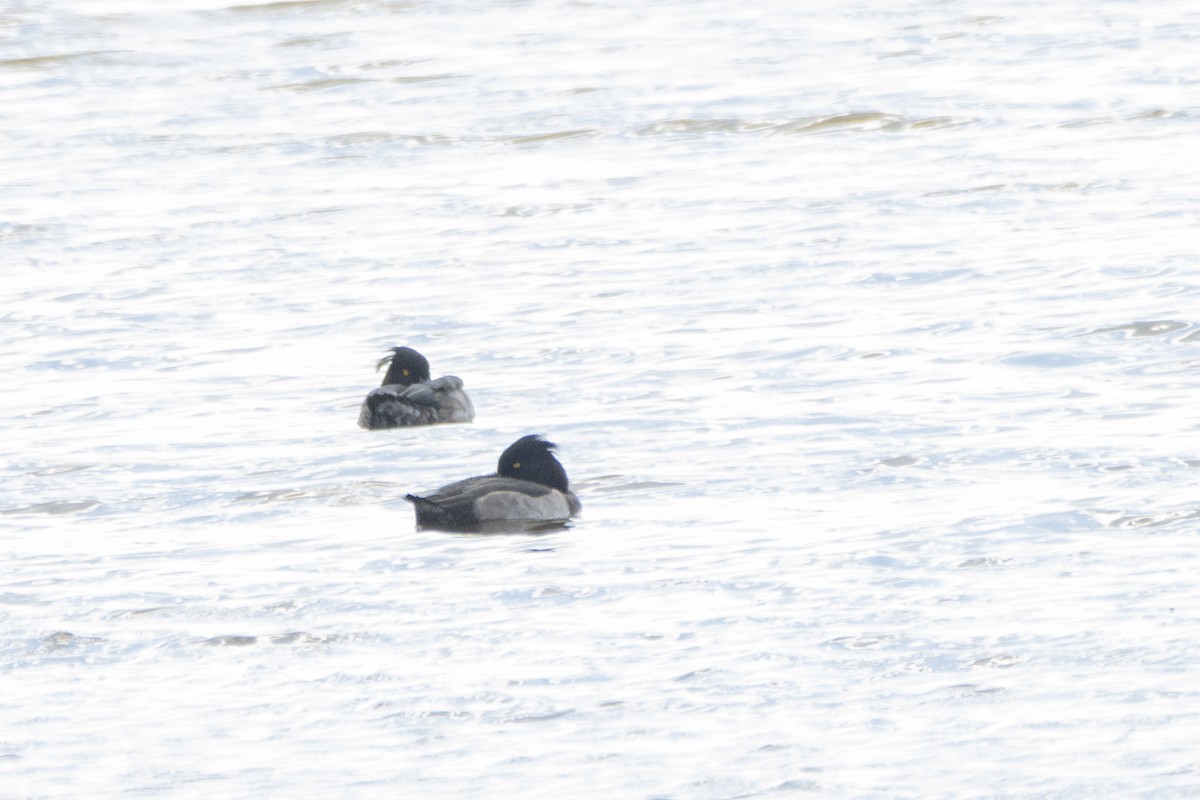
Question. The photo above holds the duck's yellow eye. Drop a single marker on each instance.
(516, 465)
(404, 372)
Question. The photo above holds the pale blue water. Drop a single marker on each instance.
(869, 335)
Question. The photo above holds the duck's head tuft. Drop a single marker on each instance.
(407, 367)
(530, 458)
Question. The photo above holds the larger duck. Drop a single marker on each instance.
(409, 397)
(528, 492)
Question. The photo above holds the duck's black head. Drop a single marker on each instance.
(529, 458)
(407, 367)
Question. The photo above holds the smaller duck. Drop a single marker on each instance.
(409, 397)
(529, 492)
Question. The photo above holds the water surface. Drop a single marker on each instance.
(868, 334)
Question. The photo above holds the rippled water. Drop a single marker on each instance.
(868, 332)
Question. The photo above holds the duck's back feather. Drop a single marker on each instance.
(437, 401)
